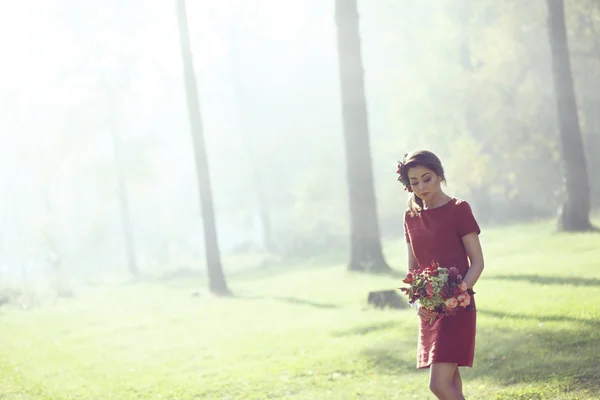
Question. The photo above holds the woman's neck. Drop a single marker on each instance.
(437, 201)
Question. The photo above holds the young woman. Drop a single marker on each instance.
(439, 228)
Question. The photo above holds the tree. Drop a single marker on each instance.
(125, 213)
(365, 244)
(111, 68)
(241, 99)
(574, 213)
(217, 283)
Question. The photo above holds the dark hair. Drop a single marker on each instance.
(418, 158)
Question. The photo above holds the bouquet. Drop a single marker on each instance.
(440, 290)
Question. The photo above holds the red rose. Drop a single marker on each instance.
(409, 278)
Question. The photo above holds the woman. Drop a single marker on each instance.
(440, 228)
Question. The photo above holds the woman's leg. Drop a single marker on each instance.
(458, 381)
(441, 381)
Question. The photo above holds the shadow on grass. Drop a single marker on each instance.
(545, 318)
(567, 359)
(365, 329)
(295, 300)
(291, 300)
(307, 265)
(269, 268)
(392, 356)
(548, 280)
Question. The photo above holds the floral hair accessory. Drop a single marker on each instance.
(401, 174)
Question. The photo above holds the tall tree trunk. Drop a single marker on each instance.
(365, 243)
(217, 283)
(262, 199)
(574, 213)
(592, 146)
(126, 224)
(58, 276)
(463, 14)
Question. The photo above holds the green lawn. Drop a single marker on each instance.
(307, 334)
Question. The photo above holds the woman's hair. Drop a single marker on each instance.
(418, 158)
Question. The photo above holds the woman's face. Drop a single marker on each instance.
(424, 182)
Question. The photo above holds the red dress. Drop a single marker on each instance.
(436, 235)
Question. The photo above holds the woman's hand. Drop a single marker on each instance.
(427, 315)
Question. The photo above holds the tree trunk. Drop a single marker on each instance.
(262, 199)
(58, 276)
(217, 283)
(481, 194)
(592, 146)
(365, 244)
(574, 213)
(132, 265)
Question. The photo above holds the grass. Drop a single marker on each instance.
(307, 333)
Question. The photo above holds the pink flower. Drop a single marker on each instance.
(429, 289)
(463, 299)
(451, 302)
(463, 286)
(467, 300)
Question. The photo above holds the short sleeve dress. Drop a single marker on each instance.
(435, 235)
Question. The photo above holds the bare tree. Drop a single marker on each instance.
(217, 283)
(574, 213)
(126, 220)
(259, 183)
(113, 80)
(365, 244)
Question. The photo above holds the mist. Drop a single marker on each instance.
(99, 181)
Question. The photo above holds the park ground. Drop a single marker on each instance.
(302, 330)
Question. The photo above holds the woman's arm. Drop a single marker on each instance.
(475, 254)
(412, 261)
(412, 265)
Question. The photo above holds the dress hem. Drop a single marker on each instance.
(427, 366)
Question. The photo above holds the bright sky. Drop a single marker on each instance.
(31, 38)
(33, 46)
(38, 48)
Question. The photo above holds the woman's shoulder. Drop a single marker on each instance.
(462, 209)
(461, 204)
(409, 214)
(455, 204)
(465, 218)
